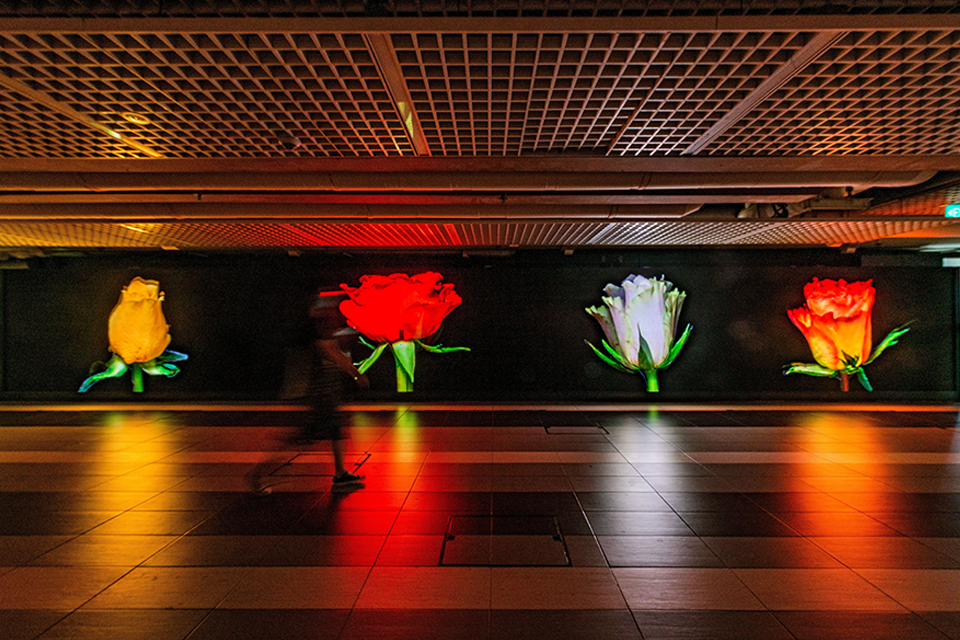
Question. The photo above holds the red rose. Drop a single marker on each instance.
(399, 307)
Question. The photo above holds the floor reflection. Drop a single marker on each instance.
(618, 524)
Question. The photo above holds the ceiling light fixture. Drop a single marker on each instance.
(135, 118)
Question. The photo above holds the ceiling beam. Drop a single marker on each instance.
(453, 181)
(391, 73)
(420, 24)
(477, 164)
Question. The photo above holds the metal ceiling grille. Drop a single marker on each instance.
(873, 93)
(28, 129)
(507, 8)
(214, 94)
(627, 93)
(209, 95)
(527, 235)
(242, 124)
(425, 235)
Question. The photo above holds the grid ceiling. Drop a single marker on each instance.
(801, 79)
(873, 93)
(210, 95)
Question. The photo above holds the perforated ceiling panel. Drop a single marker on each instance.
(931, 202)
(459, 236)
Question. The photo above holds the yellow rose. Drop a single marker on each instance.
(137, 330)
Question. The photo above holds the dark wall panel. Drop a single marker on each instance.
(242, 320)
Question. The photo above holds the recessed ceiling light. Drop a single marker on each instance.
(135, 118)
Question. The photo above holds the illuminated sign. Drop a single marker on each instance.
(639, 320)
(399, 311)
(139, 336)
(836, 321)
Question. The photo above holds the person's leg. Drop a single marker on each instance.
(341, 476)
(339, 468)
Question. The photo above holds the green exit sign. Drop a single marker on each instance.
(952, 210)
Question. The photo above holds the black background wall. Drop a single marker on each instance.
(242, 321)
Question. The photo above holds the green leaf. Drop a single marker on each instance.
(116, 367)
(610, 361)
(367, 343)
(170, 356)
(889, 341)
(620, 358)
(156, 367)
(809, 369)
(439, 348)
(675, 349)
(862, 377)
(367, 362)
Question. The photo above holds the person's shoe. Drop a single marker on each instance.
(259, 487)
(347, 478)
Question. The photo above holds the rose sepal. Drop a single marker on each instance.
(615, 362)
(824, 372)
(809, 369)
(891, 339)
(852, 366)
(439, 348)
(116, 367)
(161, 365)
(675, 349)
(367, 362)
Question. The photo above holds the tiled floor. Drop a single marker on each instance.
(746, 524)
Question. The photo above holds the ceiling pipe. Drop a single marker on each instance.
(180, 212)
(562, 198)
(451, 181)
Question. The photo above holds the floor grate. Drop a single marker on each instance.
(532, 541)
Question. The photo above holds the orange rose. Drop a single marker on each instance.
(836, 321)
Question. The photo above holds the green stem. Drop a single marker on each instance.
(653, 386)
(137, 374)
(404, 353)
(404, 383)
